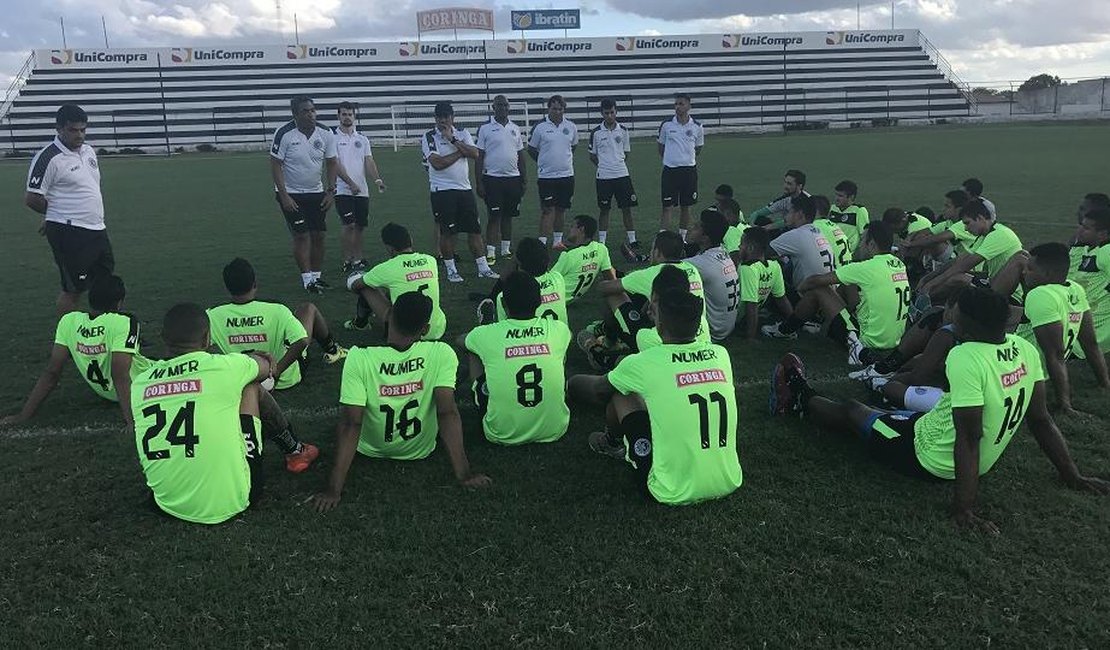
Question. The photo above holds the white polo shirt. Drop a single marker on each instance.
(353, 150)
(302, 157)
(680, 142)
(610, 146)
(555, 143)
(457, 175)
(70, 182)
(501, 144)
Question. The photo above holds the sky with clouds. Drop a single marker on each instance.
(983, 39)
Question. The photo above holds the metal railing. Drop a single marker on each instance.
(14, 87)
(946, 69)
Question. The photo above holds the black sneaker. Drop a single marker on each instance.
(320, 282)
(314, 287)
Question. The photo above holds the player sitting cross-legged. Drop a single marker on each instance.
(395, 399)
(585, 259)
(517, 366)
(997, 382)
(104, 345)
(760, 279)
(532, 258)
(199, 423)
(671, 410)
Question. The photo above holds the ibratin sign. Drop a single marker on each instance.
(454, 18)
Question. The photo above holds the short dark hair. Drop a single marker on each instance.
(973, 186)
(1053, 257)
(678, 96)
(805, 205)
(975, 209)
(520, 294)
(106, 292)
(396, 236)
(532, 256)
(894, 216)
(881, 234)
(1100, 217)
(682, 312)
(715, 226)
(798, 175)
(587, 223)
(670, 278)
(239, 276)
(556, 99)
(959, 198)
(821, 204)
(443, 109)
(608, 103)
(70, 114)
(926, 211)
(669, 244)
(756, 237)
(731, 206)
(411, 312)
(296, 102)
(1097, 200)
(346, 106)
(184, 323)
(724, 189)
(848, 187)
(986, 313)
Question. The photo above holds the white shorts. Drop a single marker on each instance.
(922, 398)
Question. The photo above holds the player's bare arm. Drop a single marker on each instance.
(1053, 445)
(121, 382)
(331, 166)
(969, 429)
(372, 172)
(35, 201)
(815, 281)
(46, 383)
(292, 353)
(346, 443)
(1088, 342)
(590, 389)
(1050, 338)
(450, 432)
(342, 174)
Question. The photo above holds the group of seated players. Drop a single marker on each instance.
(948, 319)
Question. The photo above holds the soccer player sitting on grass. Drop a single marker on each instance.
(247, 324)
(404, 271)
(839, 242)
(736, 227)
(945, 238)
(395, 399)
(759, 279)
(669, 278)
(517, 368)
(720, 283)
(585, 260)
(199, 422)
(988, 260)
(773, 215)
(851, 216)
(531, 258)
(670, 410)
(104, 345)
(997, 382)
(723, 193)
(1091, 269)
(1059, 319)
(905, 226)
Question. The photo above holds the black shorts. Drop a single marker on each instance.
(556, 192)
(680, 186)
(353, 210)
(309, 216)
(503, 196)
(890, 441)
(456, 211)
(81, 254)
(620, 188)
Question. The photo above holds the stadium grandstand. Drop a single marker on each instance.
(235, 96)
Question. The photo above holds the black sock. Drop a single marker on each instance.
(791, 325)
(275, 426)
(330, 346)
(286, 440)
(838, 330)
(362, 312)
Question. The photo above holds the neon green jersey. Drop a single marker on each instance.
(838, 241)
(1055, 303)
(852, 220)
(691, 404)
(998, 377)
(638, 283)
(261, 326)
(731, 240)
(1091, 270)
(396, 388)
(996, 248)
(407, 272)
(189, 436)
(761, 279)
(884, 299)
(916, 223)
(553, 302)
(648, 337)
(525, 363)
(580, 266)
(91, 341)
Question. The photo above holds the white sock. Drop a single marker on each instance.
(601, 235)
(682, 233)
(316, 275)
(505, 243)
(306, 279)
(631, 236)
(543, 239)
(558, 237)
(490, 251)
(450, 264)
(483, 265)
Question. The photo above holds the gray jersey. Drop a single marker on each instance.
(780, 206)
(721, 286)
(808, 250)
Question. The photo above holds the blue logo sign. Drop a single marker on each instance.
(546, 19)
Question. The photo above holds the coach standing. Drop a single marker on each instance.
(352, 196)
(552, 146)
(63, 185)
(301, 149)
(499, 174)
(681, 139)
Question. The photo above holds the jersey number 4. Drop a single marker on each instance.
(179, 434)
(96, 376)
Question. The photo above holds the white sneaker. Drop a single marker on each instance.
(491, 274)
(867, 374)
(855, 348)
(811, 327)
(775, 332)
(454, 277)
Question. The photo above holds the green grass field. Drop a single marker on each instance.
(819, 547)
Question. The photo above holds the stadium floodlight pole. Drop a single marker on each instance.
(104, 26)
(296, 31)
(62, 22)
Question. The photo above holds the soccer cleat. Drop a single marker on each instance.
(775, 332)
(354, 266)
(491, 259)
(587, 338)
(354, 326)
(454, 277)
(855, 349)
(337, 356)
(487, 311)
(507, 255)
(322, 283)
(867, 374)
(789, 370)
(559, 246)
(300, 461)
(811, 327)
(314, 287)
(489, 273)
(876, 383)
(600, 443)
(632, 253)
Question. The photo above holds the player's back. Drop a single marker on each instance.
(189, 435)
(996, 248)
(580, 267)
(553, 299)
(760, 279)
(884, 298)
(407, 272)
(809, 251)
(91, 340)
(839, 241)
(1055, 303)
(524, 363)
(260, 326)
(1091, 270)
(720, 287)
(396, 389)
(853, 221)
